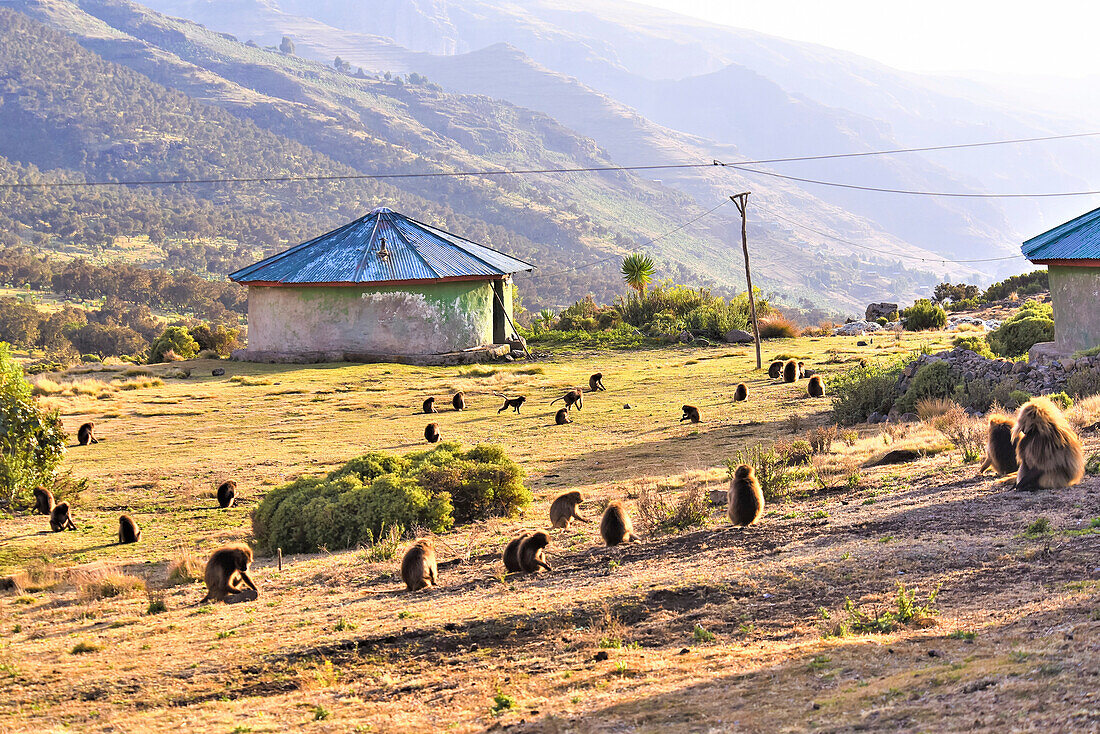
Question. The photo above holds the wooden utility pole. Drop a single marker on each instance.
(742, 201)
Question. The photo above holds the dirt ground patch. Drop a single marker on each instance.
(710, 628)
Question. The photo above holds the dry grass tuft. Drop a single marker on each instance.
(930, 408)
(656, 514)
(778, 326)
(36, 576)
(821, 439)
(185, 568)
(1085, 413)
(317, 675)
(139, 383)
(137, 372)
(90, 387)
(246, 381)
(105, 583)
(968, 434)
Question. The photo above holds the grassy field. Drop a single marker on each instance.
(709, 628)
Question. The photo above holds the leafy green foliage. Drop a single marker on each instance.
(975, 343)
(924, 315)
(772, 470)
(638, 270)
(1022, 285)
(865, 389)
(356, 503)
(932, 380)
(1033, 323)
(1083, 383)
(218, 338)
(959, 292)
(175, 339)
(32, 441)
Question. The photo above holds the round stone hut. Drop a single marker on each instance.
(382, 288)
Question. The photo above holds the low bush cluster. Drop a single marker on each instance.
(32, 440)
(361, 501)
(865, 389)
(1033, 323)
(924, 315)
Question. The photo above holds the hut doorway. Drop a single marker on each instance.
(500, 324)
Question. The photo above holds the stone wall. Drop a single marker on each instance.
(429, 319)
(1042, 378)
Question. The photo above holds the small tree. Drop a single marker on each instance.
(287, 46)
(175, 339)
(32, 441)
(546, 316)
(638, 271)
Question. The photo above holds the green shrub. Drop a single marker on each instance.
(771, 467)
(619, 337)
(932, 380)
(882, 321)
(1087, 352)
(175, 339)
(976, 344)
(218, 338)
(32, 441)
(371, 495)
(1061, 399)
(665, 325)
(1033, 323)
(90, 358)
(1025, 284)
(924, 315)
(865, 389)
(1083, 383)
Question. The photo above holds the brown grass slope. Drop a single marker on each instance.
(708, 628)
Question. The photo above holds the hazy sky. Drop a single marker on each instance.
(1052, 37)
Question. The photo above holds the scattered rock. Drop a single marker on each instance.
(876, 417)
(857, 328)
(719, 497)
(876, 311)
(896, 456)
(910, 418)
(737, 336)
(626, 406)
(217, 371)
(861, 343)
(601, 655)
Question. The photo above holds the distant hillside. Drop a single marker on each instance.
(573, 226)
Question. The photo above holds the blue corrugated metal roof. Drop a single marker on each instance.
(350, 254)
(1077, 239)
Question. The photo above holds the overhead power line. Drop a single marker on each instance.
(644, 244)
(910, 192)
(879, 251)
(923, 149)
(588, 169)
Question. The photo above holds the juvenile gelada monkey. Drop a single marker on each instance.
(691, 413)
(562, 417)
(227, 493)
(227, 572)
(60, 518)
(741, 393)
(746, 501)
(571, 398)
(1000, 449)
(775, 369)
(564, 508)
(429, 406)
(85, 434)
(459, 401)
(791, 371)
(615, 525)
(431, 433)
(43, 501)
(531, 556)
(595, 382)
(128, 531)
(514, 403)
(815, 388)
(418, 568)
(511, 554)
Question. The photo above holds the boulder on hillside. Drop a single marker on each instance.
(737, 336)
(876, 311)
